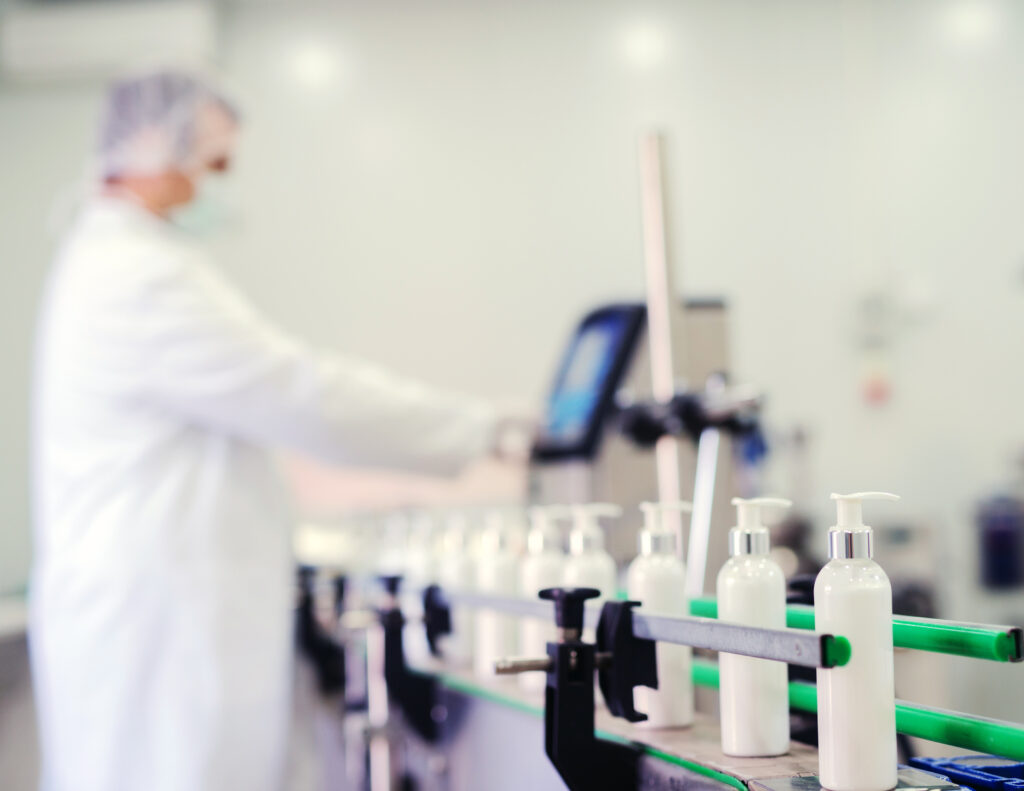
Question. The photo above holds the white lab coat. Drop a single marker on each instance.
(161, 590)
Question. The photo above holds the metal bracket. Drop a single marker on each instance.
(437, 617)
(631, 660)
(581, 759)
(319, 647)
(415, 694)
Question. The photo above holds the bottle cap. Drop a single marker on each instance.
(456, 535)
(655, 538)
(544, 535)
(586, 535)
(750, 536)
(850, 537)
(495, 535)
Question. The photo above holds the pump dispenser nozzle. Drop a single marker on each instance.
(544, 534)
(851, 538)
(656, 537)
(586, 534)
(750, 536)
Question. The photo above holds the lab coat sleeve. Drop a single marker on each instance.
(218, 363)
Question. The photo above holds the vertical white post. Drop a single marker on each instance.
(377, 710)
(700, 517)
(663, 312)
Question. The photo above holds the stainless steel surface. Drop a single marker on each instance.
(744, 541)
(849, 544)
(795, 646)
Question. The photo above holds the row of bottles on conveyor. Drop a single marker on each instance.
(853, 598)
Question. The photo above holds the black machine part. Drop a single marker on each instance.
(688, 414)
(437, 618)
(631, 660)
(414, 694)
(581, 759)
(321, 649)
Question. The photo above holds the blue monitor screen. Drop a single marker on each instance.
(584, 372)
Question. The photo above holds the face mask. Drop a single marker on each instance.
(208, 213)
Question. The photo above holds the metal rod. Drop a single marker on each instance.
(979, 641)
(513, 605)
(794, 646)
(997, 737)
(507, 667)
(663, 309)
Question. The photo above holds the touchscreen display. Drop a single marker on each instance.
(578, 390)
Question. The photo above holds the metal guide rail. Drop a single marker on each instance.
(978, 641)
(623, 657)
(968, 731)
(793, 646)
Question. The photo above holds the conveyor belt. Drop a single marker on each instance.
(696, 749)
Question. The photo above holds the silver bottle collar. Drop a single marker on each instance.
(589, 540)
(749, 541)
(849, 544)
(657, 542)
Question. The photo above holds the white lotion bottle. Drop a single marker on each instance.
(457, 572)
(543, 567)
(856, 702)
(497, 574)
(657, 579)
(753, 693)
(589, 565)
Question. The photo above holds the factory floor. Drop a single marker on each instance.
(314, 757)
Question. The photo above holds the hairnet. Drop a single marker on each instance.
(165, 120)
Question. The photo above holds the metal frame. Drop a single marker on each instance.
(793, 646)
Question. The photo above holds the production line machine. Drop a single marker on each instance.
(641, 405)
(434, 725)
(429, 721)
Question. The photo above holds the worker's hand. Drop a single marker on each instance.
(515, 432)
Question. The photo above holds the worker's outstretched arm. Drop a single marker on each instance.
(217, 362)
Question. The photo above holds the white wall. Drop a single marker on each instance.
(445, 186)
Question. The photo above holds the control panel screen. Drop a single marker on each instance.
(583, 379)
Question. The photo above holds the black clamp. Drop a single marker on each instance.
(414, 694)
(632, 661)
(583, 761)
(685, 414)
(326, 654)
(437, 617)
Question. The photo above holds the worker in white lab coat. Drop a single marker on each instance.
(161, 591)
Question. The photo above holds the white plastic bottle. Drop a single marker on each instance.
(543, 567)
(589, 565)
(753, 693)
(497, 573)
(856, 702)
(422, 562)
(657, 579)
(457, 572)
